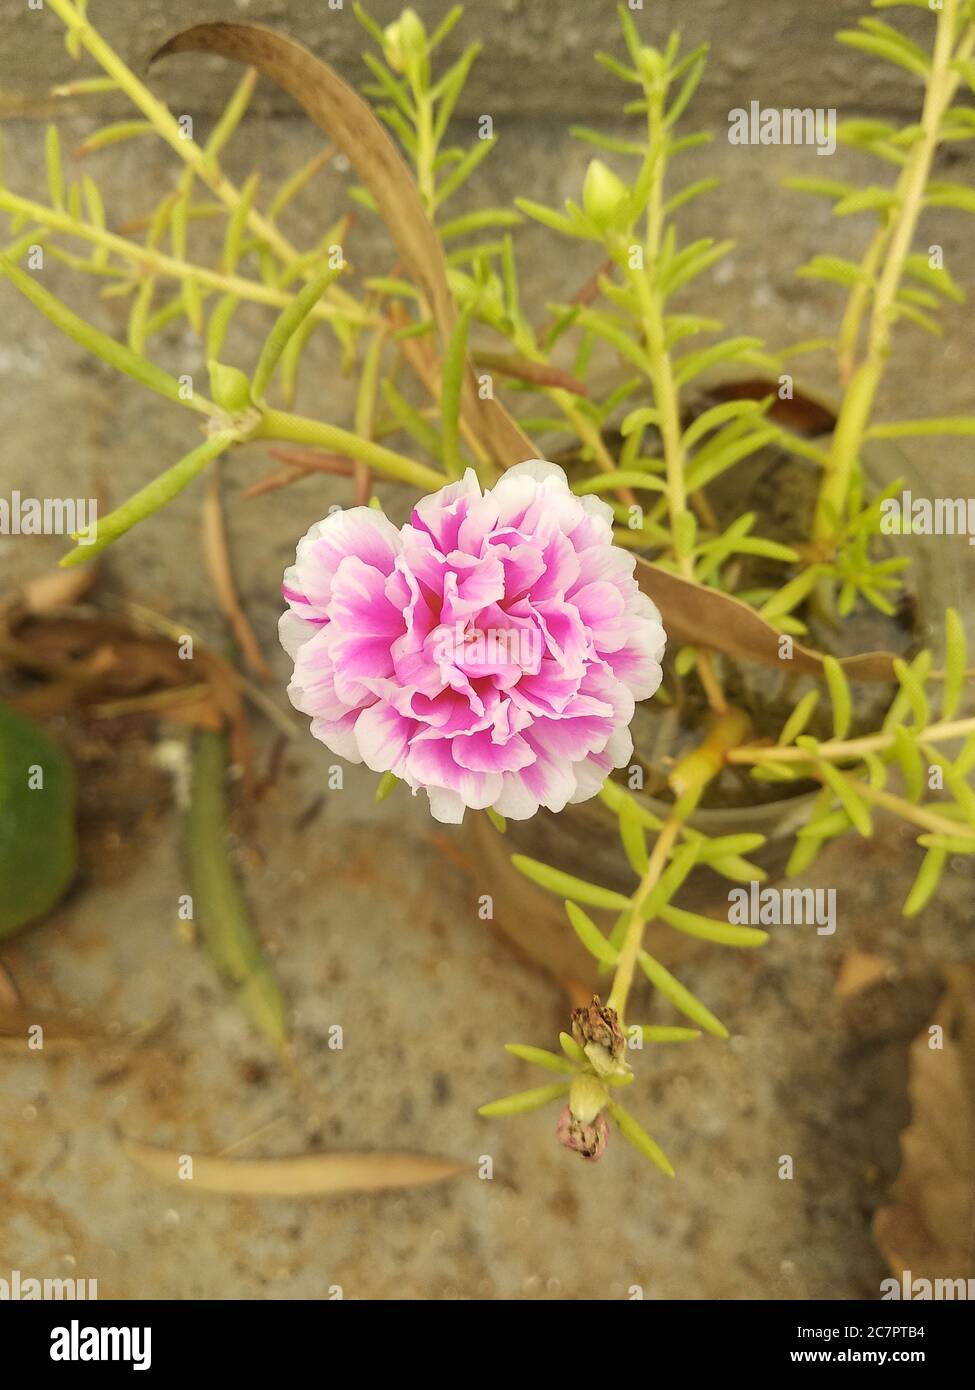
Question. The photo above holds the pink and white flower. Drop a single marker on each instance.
(490, 652)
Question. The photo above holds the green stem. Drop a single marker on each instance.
(99, 344)
(425, 151)
(849, 334)
(916, 815)
(687, 780)
(645, 282)
(296, 429)
(859, 399)
(152, 497)
(667, 401)
(149, 259)
(228, 931)
(839, 750)
(168, 128)
(633, 941)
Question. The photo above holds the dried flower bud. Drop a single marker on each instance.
(589, 1141)
(596, 1028)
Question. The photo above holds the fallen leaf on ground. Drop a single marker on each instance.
(16, 1019)
(305, 1175)
(58, 588)
(929, 1228)
(858, 971)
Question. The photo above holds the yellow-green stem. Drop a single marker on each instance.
(849, 335)
(916, 815)
(838, 750)
(425, 151)
(296, 429)
(861, 393)
(157, 262)
(689, 778)
(633, 940)
(169, 129)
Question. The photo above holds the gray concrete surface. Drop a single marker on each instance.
(371, 925)
(537, 55)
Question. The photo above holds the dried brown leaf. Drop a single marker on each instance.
(315, 460)
(349, 122)
(61, 588)
(522, 369)
(930, 1227)
(9, 996)
(699, 616)
(859, 971)
(800, 413)
(190, 704)
(304, 1175)
(216, 550)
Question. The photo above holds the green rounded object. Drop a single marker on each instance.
(38, 841)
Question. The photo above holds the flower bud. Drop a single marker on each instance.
(406, 41)
(229, 387)
(604, 195)
(587, 1096)
(651, 63)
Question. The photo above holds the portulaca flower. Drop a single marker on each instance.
(489, 653)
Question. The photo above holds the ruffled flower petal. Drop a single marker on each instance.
(488, 653)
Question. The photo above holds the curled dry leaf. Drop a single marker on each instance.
(101, 663)
(56, 589)
(350, 124)
(692, 613)
(522, 369)
(801, 413)
(18, 1017)
(304, 1175)
(216, 550)
(930, 1227)
(9, 995)
(704, 617)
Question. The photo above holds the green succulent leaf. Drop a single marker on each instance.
(658, 1034)
(839, 692)
(38, 841)
(568, 886)
(681, 997)
(723, 933)
(572, 1049)
(635, 1134)
(539, 1057)
(590, 935)
(926, 883)
(524, 1101)
(956, 660)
